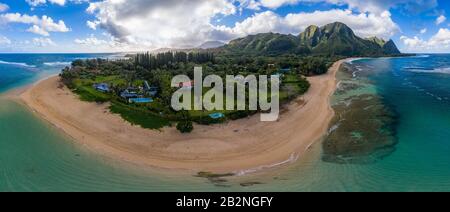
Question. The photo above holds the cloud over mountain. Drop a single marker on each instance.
(172, 23)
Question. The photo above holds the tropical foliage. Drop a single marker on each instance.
(292, 57)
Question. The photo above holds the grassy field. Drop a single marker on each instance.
(157, 115)
(139, 116)
(87, 93)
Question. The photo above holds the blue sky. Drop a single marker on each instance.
(137, 25)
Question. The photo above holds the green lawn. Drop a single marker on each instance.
(139, 116)
(156, 115)
(89, 94)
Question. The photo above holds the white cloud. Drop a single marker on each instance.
(3, 7)
(42, 26)
(413, 42)
(180, 23)
(423, 31)
(91, 41)
(36, 3)
(105, 44)
(92, 24)
(441, 19)
(373, 6)
(441, 38)
(160, 23)
(364, 25)
(43, 42)
(277, 3)
(38, 30)
(440, 42)
(4, 40)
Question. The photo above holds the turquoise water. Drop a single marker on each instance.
(36, 157)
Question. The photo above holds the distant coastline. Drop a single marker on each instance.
(231, 147)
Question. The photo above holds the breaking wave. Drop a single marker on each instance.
(17, 64)
(58, 64)
(445, 70)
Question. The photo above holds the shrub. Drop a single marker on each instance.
(185, 126)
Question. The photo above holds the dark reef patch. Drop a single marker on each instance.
(363, 130)
(216, 179)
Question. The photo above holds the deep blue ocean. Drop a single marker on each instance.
(34, 156)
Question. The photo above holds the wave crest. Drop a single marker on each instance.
(58, 63)
(17, 64)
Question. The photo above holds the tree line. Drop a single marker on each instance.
(160, 60)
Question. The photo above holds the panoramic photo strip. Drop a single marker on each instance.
(222, 97)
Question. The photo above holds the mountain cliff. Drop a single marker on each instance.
(331, 39)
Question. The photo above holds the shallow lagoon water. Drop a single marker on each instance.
(34, 156)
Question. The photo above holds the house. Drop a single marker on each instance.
(129, 93)
(102, 87)
(151, 91)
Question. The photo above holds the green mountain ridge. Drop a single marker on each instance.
(331, 39)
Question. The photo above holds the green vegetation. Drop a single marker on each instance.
(313, 66)
(87, 93)
(329, 40)
(139, 116)
(185, 126)
(158, 71)
(291, 57)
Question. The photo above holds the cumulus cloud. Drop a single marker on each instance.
(4, 40)
(36, 3)
(441, 19)
(440, 42)
(43, 42)
(104, 44)
(277, 3)
(3, 7)
(41, 26)
(423, 31)
(364, 25)
(91, 41)
(373, 6)
(159, 22)
(175, 23)
(92, 24)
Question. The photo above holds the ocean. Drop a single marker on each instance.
(392, 133)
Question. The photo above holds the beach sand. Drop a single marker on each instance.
(231, 147)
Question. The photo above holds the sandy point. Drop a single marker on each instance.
(230, 147)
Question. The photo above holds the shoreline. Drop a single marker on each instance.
(235, 147)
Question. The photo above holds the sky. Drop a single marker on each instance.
(69, 26)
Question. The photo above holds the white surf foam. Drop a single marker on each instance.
(58, 64)
(422, 56)
(350, 61)
(291, 159)
(445, 70)
(17, 64)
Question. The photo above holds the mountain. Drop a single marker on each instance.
(211, 45)
(377, 40)
(331, 39)
(265, 43)
(390, 48)
(338, 39)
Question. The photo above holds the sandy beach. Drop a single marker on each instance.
(230, 147)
